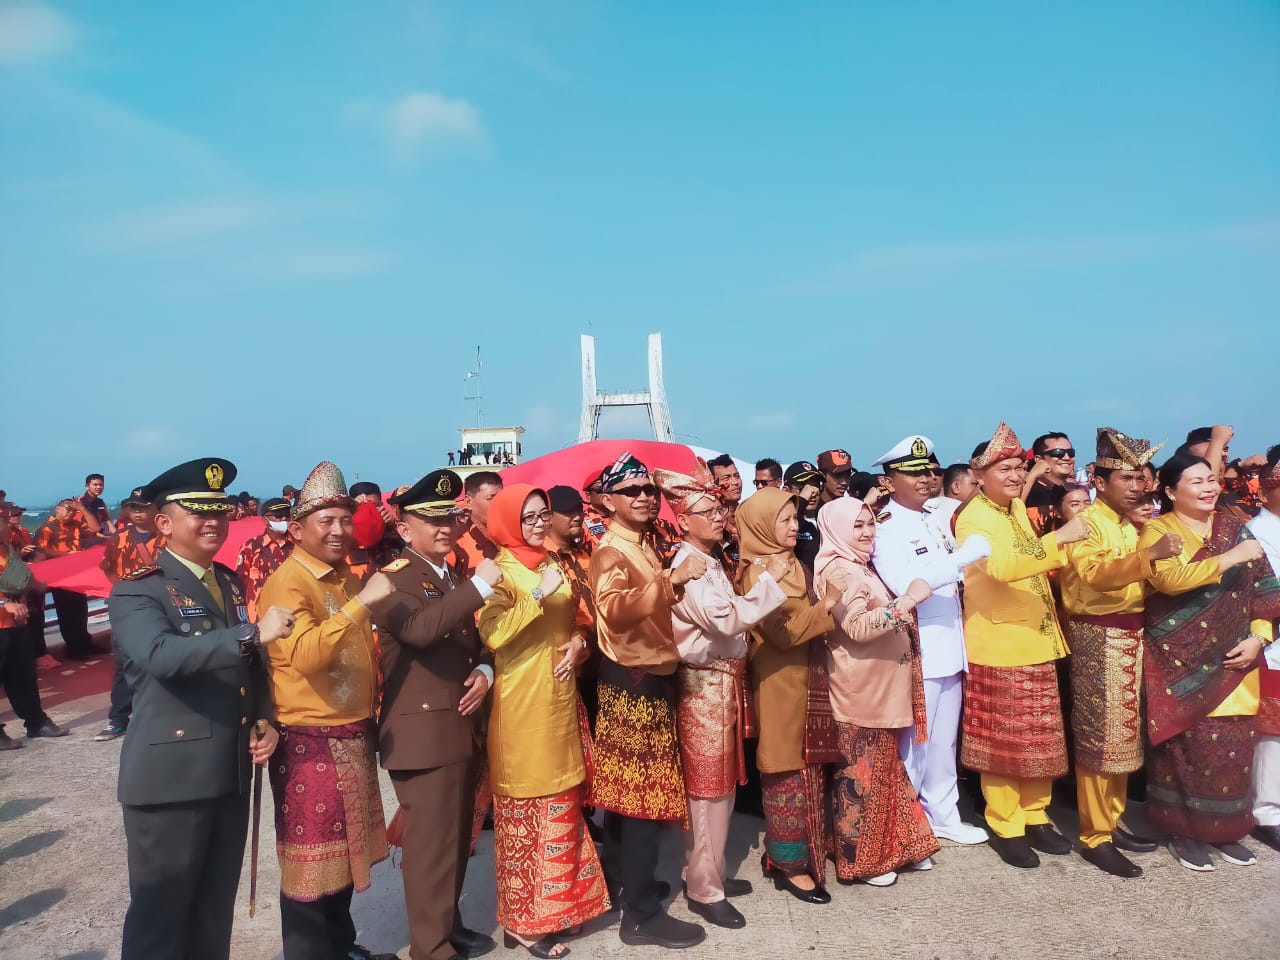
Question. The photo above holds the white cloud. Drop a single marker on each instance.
(909, 262)
(320, 263)
(178, 223)
(148, 441)
(422, 123)
(33, 31)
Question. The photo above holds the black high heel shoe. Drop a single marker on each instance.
(542, 949)
(817, 895)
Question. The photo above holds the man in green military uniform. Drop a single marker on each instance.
(200, 688)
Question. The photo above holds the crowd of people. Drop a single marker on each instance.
(581, 669)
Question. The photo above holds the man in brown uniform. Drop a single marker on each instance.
(433, 686)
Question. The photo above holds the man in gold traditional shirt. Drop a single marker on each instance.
(329, 822)
(1012, 727)
(1102, 589)
(638, 779)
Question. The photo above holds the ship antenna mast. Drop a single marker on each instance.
(472, 390)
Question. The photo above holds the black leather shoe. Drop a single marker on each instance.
(1044, 838)
(721, 913)
(661, 930)
(1132, 842)
(357, 952)
(817, 895)
(733, 887)
(47, 729)
(471, 943)
(1015, 851)
(1268, 835)
(1108, 859)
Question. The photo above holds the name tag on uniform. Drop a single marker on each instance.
(192, 612)
(430, 589)
(921, 550)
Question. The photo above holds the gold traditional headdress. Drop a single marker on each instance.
(1118, 451)
(325, 487)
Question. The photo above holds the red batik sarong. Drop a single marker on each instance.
(548, 874)
(879, 823)
(329, 823)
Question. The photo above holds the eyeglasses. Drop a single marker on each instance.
(634, 493)
(720, 510)
(1060, 453)
(530, 519)
(767, 483)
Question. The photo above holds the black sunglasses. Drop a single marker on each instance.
(647, 490)
(1059, 452)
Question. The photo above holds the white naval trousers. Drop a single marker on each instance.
(1266, 782)
(932, 766)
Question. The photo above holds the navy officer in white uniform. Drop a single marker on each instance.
(907, 546)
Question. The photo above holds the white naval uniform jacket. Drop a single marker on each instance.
(908, 547)
(1266, 527)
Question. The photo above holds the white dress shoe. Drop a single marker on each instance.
(883, 880)
(921, 865)
(960, 833)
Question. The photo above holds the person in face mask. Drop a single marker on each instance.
(261, 555)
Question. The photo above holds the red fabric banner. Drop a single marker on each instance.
(80, 572)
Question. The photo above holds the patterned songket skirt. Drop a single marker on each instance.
(1106, 679)
(637, 756)
(879, 822)
(1013, 722)
(795, 821)
(549, 877)
(1199, 783)
(330, 828)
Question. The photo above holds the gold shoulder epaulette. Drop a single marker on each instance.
(395, 566)
(883, 516)
(141, 572)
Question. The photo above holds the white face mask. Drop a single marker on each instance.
(279, 526)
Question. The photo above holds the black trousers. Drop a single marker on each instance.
(184, 866)
(73, 621)
(121, 695)
(35, 624)
(631, 859)
(318, 929)
(18, 677)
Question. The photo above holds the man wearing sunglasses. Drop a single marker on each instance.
(638, 778)
(1053, 464)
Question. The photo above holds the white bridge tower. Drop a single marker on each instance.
(654, 399)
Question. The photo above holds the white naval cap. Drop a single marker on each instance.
(912, 455)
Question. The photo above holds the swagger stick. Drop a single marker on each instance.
(261, 727)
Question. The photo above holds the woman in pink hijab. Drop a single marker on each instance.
(873, 663)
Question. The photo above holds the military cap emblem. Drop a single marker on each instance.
(433, 496)
(196, 485)
(919, 448)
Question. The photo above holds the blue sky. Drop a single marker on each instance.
(277, 232)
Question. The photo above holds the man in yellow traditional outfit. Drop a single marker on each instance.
(329, 823)
(711, 624)
(638, 780)
(1013, 733)
(1102, 591)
